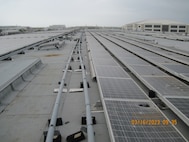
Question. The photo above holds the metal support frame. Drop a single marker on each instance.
(52, 125)
(90, 131)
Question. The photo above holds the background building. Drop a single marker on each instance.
(157, 26)
(57, 27)
(7, 30)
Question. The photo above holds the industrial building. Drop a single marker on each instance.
(7, 30)
(56, 27)
(157, 26)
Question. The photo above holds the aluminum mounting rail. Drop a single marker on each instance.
(50, 133)
(90, 131)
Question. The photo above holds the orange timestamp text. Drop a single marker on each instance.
(153, 122)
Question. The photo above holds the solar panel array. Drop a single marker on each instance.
(125, 104)
(164, 84)
(182, 104)
(123, 115)
(169, 63)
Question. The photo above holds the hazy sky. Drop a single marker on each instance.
(90, 12)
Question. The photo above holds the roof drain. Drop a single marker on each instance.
(90, 131)
(53, 120)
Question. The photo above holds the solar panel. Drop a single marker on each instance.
(181, 104)
(161, 60)
(108, 62)
(126, 54)
(99, 52)
(134, 60)
(186, 74)
(148, 54)
(169, 53)
(120, 88)
(152, 48)
(184, 58)
(98, 55)
(111, 71)
(136, 49)
(125, 117)
(179, 68)
(148, 70)
(168, 86)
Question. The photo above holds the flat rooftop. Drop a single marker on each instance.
(138, 88)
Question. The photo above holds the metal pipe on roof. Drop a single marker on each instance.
(90, 131)
(52, 125)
